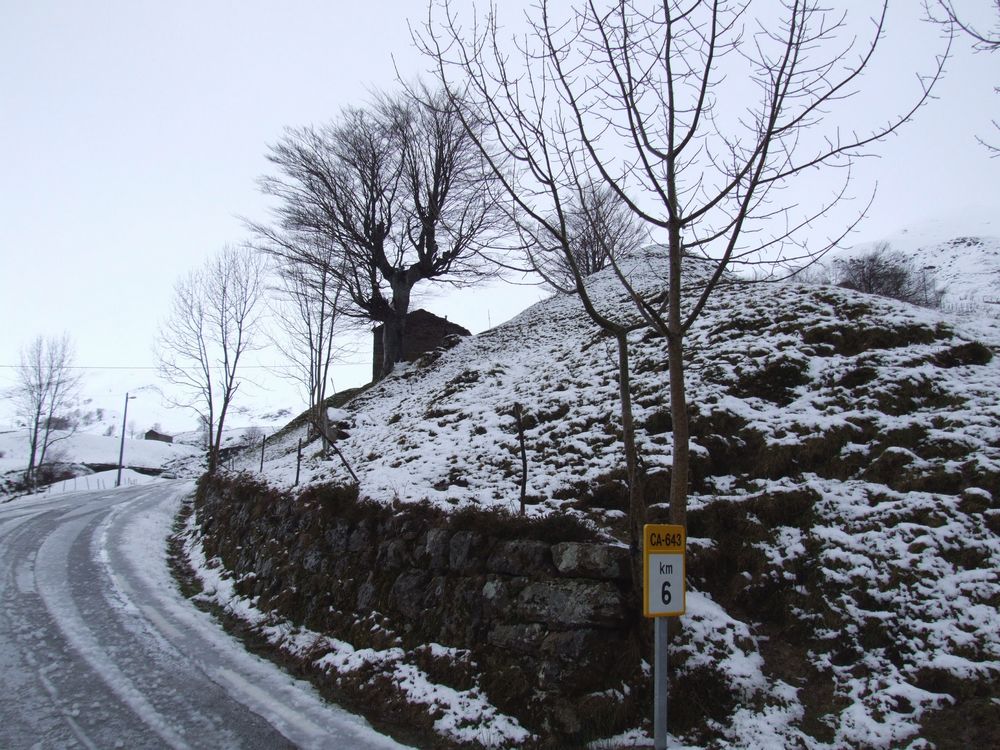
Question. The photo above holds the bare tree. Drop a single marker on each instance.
(310, 311)
(888, 273)
(396, 191)
(943, 12)
(599, 227)
(253, 436)
(46, 386)
(699, 116)
(211, 326)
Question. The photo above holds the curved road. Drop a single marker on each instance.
(98, 649)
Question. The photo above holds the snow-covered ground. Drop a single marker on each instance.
(77, 450)
(883, 416)
(444, 431)
(86, 448)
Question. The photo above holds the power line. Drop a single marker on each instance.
(150, 367)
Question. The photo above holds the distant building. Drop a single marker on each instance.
(425, 332)
(154, 435)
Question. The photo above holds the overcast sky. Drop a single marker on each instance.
(132, 133)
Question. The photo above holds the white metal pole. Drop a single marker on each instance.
(660, 684)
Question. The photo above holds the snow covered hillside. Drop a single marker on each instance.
(84, 448)
(772, 370)
(96, 417)
(846, 492)
(965, 264)
(98, 410)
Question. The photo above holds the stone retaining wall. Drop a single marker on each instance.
(541, 609)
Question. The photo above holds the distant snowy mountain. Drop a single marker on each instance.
(967, 267)
(962, 254)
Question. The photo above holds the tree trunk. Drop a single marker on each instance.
(29, 475)
(321, 421)
(394, 329)
(213, 447)
(45, 442)
(393, 332)
(636, 501)
(678, 398)
(213, 459)
(636, 504)
(680, 469)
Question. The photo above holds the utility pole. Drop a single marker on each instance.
(121, 448)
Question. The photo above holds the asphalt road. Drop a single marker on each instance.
(98, 649)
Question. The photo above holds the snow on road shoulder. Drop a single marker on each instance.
(101, 480)
(463, 716)
(291, 705)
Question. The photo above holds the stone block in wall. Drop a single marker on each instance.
(520, 558)
(582, 658)
(520, 638)
(336, 536)
(582, 560)
(564, 717)
(360, 539)
(499, 597)
(462, 611)
(367, 595)
(574, 645)
(436, 548)
(313, 560)
(392, 555)
(407, 593)
(465, 554)
(572, 604)
(263, 568)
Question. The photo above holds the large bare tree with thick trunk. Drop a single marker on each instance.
(699, 116)
(46, 386)
(397, 190)
(212, 325)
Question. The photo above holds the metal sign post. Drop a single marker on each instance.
(663, 595)
(660, 683)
